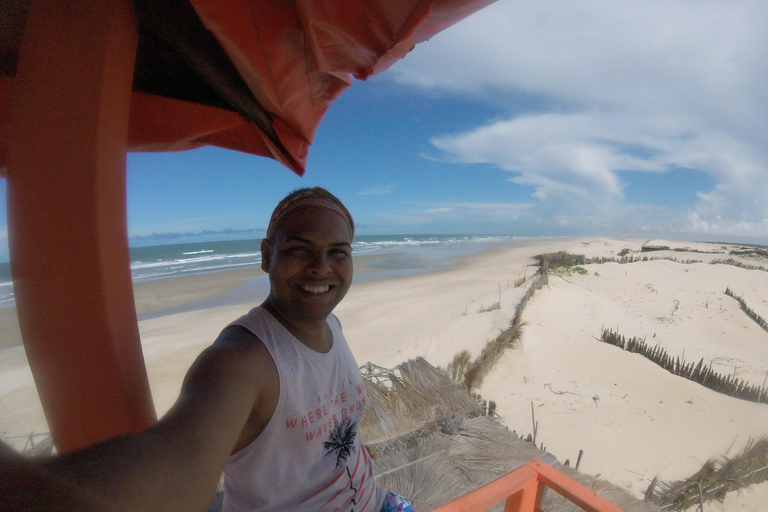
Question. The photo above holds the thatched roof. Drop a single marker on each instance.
(414, 396)
(434, 444)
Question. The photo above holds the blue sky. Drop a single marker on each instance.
(530, 117)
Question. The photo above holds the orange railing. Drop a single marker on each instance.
(524, 489)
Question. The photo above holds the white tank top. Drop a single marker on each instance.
(309, 457)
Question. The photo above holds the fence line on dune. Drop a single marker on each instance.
(564, 259)
(472, 373)
(759, 320)
(700, 373)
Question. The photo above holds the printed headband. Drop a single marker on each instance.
(310, 198)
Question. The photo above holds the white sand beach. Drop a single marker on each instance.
(633, 419)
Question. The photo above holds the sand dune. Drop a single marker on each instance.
(633, 419)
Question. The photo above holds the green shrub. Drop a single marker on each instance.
(568, 270)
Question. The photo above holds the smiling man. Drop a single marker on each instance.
(276, 402)
(300, 448)
(308, 255)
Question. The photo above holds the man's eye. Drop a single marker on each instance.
(298, 249)
(339, 253)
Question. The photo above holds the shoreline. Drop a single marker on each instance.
(213, 289)
(194, 292)
(241, 286)
(644, 421)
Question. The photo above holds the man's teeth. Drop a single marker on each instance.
(315, 289)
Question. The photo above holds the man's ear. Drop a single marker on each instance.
(266, 254)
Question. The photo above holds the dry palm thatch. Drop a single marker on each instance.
(417, 394)
(36, 449)
(714, 480)
(448, 459)
(448, 449)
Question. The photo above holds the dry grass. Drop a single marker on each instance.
(714, 480)
(492, 307)
(458, 367)
(699, 373)
(473, 373)
(759, 320)
(737, 263)
(490, 355)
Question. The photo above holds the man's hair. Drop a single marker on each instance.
(315, 197)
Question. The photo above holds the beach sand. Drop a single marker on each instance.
(632, 419)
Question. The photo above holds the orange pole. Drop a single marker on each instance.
(571, 489)
(513, 486)
(68, 240)
(524, 489)
(527, 498)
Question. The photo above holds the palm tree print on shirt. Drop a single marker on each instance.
(341, 441)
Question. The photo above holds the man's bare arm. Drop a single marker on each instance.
(25, 485)
(176, 464)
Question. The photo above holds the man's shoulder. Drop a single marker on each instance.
(238, 352)
(235, 333)
(235, 347)
(236, 338)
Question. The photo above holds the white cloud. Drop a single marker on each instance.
(438, 210)
(466, 217)
(620, 85)
(378, 190)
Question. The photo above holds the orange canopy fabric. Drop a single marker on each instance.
(83, 82)
(295, 57)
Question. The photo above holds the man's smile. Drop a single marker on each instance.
(315, 289)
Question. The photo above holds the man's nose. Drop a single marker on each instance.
(319, 263)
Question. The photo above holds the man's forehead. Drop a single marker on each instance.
(309, 198)
(306, 224)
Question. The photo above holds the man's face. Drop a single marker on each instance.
(309, 262)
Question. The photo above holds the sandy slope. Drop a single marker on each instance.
(633, 419)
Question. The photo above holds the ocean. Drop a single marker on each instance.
(414, 254)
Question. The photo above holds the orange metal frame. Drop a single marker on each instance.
(523, 490)
(67, 219)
